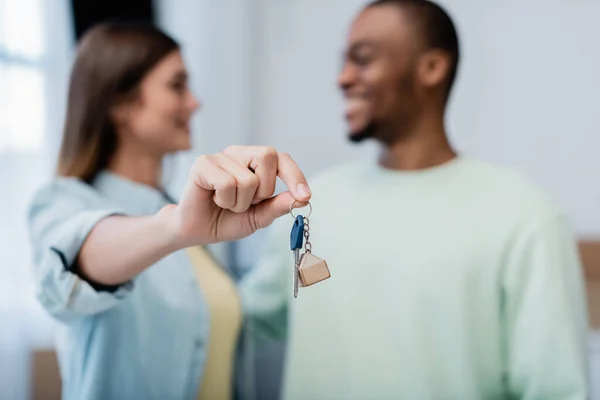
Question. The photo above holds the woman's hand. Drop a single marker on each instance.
(229, 195)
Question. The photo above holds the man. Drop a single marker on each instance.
(450, 278)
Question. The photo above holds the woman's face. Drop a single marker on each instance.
(158, 120)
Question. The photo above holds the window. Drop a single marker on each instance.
(35, 54)
(22, 99)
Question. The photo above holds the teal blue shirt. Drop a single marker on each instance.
(145, 339)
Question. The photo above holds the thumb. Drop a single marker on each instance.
(269, 210)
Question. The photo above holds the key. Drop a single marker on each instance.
(311, 268)
(308, 269)
(296, 240)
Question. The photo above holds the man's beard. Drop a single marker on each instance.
(368, 132)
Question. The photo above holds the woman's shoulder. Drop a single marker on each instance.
(69, 191)
(69, 205)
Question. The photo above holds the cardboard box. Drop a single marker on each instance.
(590, 257)
(45, 376)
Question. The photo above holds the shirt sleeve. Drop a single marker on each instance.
(264, 289)
(60, 217)
(545, 315)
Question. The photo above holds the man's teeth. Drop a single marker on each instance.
(353, 104)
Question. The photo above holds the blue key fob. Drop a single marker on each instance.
(297, 235)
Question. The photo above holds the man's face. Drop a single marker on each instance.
(377, 78)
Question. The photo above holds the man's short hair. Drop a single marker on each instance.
(436, 28)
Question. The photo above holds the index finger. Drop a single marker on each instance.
(292, 176)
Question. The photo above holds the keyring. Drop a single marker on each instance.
(292, 212)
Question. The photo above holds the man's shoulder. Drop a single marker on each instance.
(510, 190)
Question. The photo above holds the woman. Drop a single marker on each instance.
(146, 313)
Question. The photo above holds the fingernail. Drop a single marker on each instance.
(303, 190)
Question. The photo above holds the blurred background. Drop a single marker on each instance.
(527, 95)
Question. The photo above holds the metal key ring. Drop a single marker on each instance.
(292, 212)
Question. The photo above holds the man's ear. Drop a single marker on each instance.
(434, 67)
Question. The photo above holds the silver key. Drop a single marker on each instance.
(296, 265)
(296, 241)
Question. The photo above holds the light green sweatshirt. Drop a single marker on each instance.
(457, 282)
